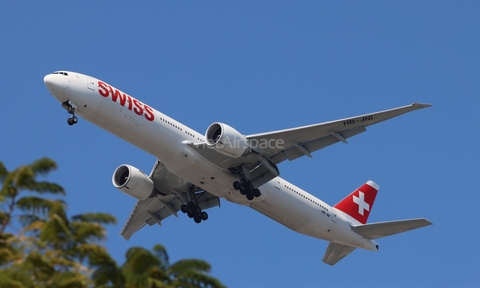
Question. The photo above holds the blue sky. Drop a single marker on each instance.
(261, 67)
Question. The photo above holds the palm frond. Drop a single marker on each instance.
(84, 232)
(55, 230)
(101, 218)
(34, 204)
(70, 279)
(138, 260)
(196, 279)
(28, 219)
(3, 172)
(162, 255)
(58, 207)
(43, 166)
(106, 271)
(181, 266)
(46, 187)
(23, 177)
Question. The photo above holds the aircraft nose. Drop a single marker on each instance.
(49, 81)
(56, 86)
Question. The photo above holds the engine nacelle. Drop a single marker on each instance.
(227, 140)
(130, 180)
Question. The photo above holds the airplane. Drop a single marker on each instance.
(192, 171)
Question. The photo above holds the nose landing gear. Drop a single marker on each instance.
(72, 120)
(70, 107)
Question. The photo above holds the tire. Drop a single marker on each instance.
(198, 210)
(70, 121)
(242, 191)
(204, 216)
(250, 186)
(256, 193)
(236, 185)
(250, 196)
(197, 219)
(191, 206)
(243, 182)
(190, 214)
(184, 208)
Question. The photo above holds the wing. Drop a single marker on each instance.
(275, 147)
(302, 141)
(171, 194)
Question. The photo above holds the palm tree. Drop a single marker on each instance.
(55, 251)
(24, 178)
(51, 250)
(144, 268)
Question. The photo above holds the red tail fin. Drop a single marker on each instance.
(359, 204)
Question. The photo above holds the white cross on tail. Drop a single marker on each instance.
(362, 205)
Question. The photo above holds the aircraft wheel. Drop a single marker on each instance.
(256, 193)
(190, 214)
(250, 196)
(243, 182)
(236, 185)
(70, 121)
(197, 219)
(191, 206)
(198, 210)
(204, 216)
(242, 191)
(250, 186)
(184, 208)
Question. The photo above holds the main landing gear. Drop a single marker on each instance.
(195, 212)
(246, 188)
(70, 107)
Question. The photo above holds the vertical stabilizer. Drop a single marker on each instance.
(359, 203)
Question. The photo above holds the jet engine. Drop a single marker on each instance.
(226, 140)
(130, 180)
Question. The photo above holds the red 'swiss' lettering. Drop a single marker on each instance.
(149, 113)
(103, 90)
(138, 107)
(118, 95)
(129, 102)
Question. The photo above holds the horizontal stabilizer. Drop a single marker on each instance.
(383, 229)
(336, 252)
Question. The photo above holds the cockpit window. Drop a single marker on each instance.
(60, 72)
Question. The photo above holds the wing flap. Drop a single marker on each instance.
(384, 229)
(336, 252)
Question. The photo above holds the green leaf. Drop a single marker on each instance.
(46, 187)
(35, 205)
(102, 218)
(43, 166)
(3, 172)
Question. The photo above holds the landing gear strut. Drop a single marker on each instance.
(246, 188)
(195, 212)
(70, 107)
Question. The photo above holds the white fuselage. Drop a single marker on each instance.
(163, 137)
